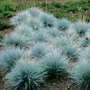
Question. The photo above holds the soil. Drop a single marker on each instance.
(1, 79)
(59, 85)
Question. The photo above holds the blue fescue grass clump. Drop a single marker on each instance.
(85, 54)
(63, 24)
(84, 42)
(24, 30)
(87, 34)
(55, 66)
(81, 75)
(68, 47)
(20, 18)
(53, 32)
(9, 56)
(81, 27)
(35, 12)
(35, 23)
(61, 42)
(72, 52)
(38, 50)
(47, 20)
(25, 76)
(40, 36)
(15, 39)
(14, 20)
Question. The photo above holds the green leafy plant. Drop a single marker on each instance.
(7, 9)
(4, 24)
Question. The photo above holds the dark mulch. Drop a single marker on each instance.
(55, 84)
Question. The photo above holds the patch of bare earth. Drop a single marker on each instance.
(55, 84)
